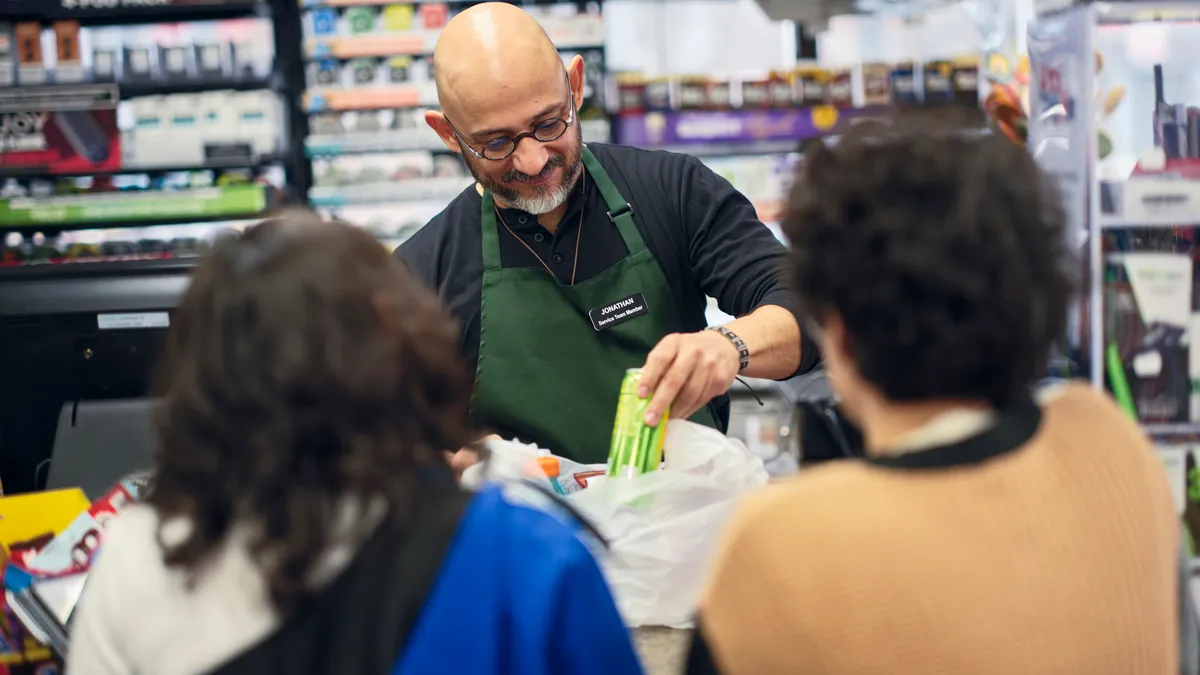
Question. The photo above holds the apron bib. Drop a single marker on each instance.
(544, 372)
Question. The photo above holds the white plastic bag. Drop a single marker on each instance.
(661, 527)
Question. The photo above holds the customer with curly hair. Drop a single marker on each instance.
(302, 518)
(991, 530)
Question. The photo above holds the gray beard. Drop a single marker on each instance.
(547, 198)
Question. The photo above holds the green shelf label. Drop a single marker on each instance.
(234, 200)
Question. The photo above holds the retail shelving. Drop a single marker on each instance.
(1115, 119)
(1127, 160)
(369, 80)
(133, 131)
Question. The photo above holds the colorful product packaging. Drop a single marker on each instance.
(636, 447)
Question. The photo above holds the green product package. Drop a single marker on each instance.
(233, 200)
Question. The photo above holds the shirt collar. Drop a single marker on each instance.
(1007, 431)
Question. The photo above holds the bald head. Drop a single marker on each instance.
(489, 55)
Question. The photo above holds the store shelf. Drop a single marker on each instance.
(1150, 201)
(120, 209)
(584, 31)
(404, 140)
(370, 98)
(59, 97)
(38, 171)
(68, 268)
(193, 86)
(1179, 429)
(96, 12)
(417, 189)
(726, 128)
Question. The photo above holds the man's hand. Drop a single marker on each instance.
(465, 458)
(685, 371)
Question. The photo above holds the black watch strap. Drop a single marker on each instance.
(743, 350)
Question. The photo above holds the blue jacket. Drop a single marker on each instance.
(518, 594)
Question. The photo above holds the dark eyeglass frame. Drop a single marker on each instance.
(545, 124)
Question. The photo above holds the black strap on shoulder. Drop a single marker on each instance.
(361, 621)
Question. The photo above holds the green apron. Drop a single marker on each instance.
(545, 373)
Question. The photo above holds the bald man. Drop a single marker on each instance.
(567, 264)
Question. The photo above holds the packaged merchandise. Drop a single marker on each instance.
(399, 69)
(782, 94)
(756, 93)
(434, 15)
(213, 126)
(657, 95)
(966, 81)
(323, 21)
(136, 60)
(693, 93)
(904, 85)
(939, 85)
(631, 92)
(841, 89)
(811, 86)
(877, 86)
(323, 73)
(719, 95)
(66, 39)
(636, 447)
(360, 19)
(397, 18)
(69, 140)
(31, 68)
(1149, 311)
(8, 66)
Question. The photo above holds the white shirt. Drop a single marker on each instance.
(137, 617)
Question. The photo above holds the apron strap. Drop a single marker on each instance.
(491, 234)
(619, 211)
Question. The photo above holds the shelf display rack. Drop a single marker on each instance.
(369, 81)
(1115, 120)
(130, 131)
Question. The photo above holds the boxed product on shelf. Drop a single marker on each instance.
(903, 80)
(1149, 313)
(358, 170)
(212, 126)
(8, 66)
(66, 140)
(70, 64)
(391, 223)
(31, 67)
(811, 86)
(877, 84)
(65, 52)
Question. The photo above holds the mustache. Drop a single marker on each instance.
(515, 176)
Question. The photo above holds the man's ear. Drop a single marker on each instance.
(437, 121)
(575, 69)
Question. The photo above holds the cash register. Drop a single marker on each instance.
(78, 344)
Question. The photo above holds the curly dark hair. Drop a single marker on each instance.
(305, 370)
(944, 253)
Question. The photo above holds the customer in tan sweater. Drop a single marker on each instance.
(990, 532)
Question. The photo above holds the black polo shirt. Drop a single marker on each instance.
(704, 234)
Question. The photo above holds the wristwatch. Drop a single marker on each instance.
(743, 350)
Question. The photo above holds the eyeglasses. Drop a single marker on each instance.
(545, 132)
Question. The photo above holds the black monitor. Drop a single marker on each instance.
(73, 337)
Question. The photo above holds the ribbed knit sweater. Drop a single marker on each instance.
(1047, 544)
